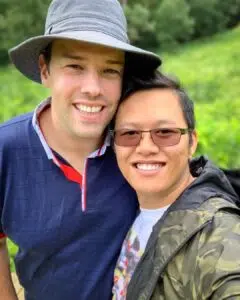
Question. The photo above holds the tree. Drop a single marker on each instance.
(161, 23)
(212, 16)
(20, 20)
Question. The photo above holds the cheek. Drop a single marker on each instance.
(178, 156)
(122, 159)
(63, 83)
(112, 90)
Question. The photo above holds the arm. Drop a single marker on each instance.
(7, 291)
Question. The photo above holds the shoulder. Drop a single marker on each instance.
(217, 254)
(17, 138)
(218, 205)
(217, 244)
(15, 129)
(224, 222)
(217, 241)
(210, 258)
(16, 121)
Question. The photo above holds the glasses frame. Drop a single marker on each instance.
(181, 131)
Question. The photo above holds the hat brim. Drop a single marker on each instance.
(25, 56)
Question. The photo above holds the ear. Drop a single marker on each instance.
(193, 144)
(44, 70)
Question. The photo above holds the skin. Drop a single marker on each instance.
(7, 291)
(145, 110)
(80, 76)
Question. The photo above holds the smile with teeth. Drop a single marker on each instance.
(89, 109)
(148, 167)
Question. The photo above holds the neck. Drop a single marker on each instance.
(74, 150)
(164, 198)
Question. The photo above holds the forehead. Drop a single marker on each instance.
(151, 107)
(71, 47)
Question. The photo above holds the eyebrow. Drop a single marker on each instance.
(157, 124)
(115, 62)
(81, 58)
(72, 56)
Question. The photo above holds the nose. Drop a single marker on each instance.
(91, 84)
(146, 145)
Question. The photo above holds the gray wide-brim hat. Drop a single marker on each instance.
(100, 22)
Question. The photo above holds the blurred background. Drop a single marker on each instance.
(198, 40)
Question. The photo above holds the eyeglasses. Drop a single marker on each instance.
(162, 137)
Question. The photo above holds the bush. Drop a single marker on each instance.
(164, 23)
(173, 23)
(20, 20)
(141, 27)
(18, 94)
(218, 127)
(212, 16)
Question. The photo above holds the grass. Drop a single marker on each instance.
(12, 250)
(18, 94)
(208, 68)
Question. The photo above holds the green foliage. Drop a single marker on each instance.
(20, 20)
(152, 23)
(218, 127)
(210, 16)
(173, 23)
(164, 23)
(12, 250)
(18, 94)
(209, 69)
(140, 35)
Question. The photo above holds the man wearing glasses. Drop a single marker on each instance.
(185, 242)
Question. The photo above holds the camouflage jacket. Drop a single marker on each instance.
(194, 251)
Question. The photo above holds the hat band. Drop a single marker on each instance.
(88, 24)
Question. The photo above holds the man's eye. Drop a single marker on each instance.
(129, 133)
(75, 67)
(165, 131)
(112, 72)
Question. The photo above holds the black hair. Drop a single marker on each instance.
(47, 53)
(149, 79)
(156, 79)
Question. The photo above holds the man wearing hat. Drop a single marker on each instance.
(63, 200)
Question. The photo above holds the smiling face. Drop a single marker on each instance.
(160, 173)
(85, 82)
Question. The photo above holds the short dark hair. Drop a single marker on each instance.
(156, 79)
(47, 53)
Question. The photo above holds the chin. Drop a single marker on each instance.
(147, 190)
(89, 134)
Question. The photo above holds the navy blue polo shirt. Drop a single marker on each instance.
(69, 233)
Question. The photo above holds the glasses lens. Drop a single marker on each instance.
(166, 136)
(127, 138)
